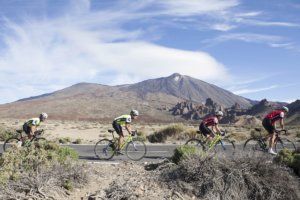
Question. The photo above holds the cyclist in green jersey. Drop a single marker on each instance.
(30, 126)
(124, 120)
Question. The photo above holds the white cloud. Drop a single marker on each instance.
(192, 7)
(43, 55)
(247, 91)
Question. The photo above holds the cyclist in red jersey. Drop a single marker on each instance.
(213, 123)
(269, 123)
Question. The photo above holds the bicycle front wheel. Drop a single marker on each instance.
(284, 143)
(104, 149)
(225, 145)
(136, 150)
(253, 144)
(10, 143)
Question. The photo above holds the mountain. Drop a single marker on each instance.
(187, 88)
(293, 117)
(153, 98)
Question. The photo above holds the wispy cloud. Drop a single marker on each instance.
(247, 91)
(40, 55)
(270, 40)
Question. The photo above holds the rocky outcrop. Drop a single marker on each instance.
(196, 111)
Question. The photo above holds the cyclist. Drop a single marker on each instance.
(124, 120)
(213, 122)
(30, 126)
(269, 123)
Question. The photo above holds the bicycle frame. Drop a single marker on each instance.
(217, 139)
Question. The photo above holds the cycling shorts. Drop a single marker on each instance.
(118, 128)
(267, 124)
(26, 128)
(205, 130)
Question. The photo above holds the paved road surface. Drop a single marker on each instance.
(155, 152)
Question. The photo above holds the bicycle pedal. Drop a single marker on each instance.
(119, 153)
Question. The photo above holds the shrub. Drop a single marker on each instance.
(78, 141)
(40, 171)
(141, 136)
(6, 133)
(64, 140)
(289, 158)
(183, 152)
(162, 135)
(239, 177)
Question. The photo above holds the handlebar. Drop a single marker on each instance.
(39, 132)
(283, 130)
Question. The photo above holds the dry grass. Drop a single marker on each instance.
(243, 177)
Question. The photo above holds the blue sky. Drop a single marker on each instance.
(250, 48)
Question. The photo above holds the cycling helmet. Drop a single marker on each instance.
(284, 108)
(134, 112)
(219, 113)
(43, 115)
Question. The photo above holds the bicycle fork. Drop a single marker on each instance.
(134, 145)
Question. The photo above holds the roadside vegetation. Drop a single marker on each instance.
(40, 171)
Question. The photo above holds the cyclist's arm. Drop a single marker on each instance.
(32, 130)
(281, 124)
(128, 127)
(217, 129)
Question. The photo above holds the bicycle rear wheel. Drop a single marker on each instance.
(136, 150)
(195, 142)
(10, 143)
(284, 143)
(253, 144)
(104, 149)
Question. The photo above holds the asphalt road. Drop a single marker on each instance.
(155, 152)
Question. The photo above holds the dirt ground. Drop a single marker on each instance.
(108, 178)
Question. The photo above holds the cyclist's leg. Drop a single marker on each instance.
(119, 131)
(271, 133)
(207, 133)
(26, 129)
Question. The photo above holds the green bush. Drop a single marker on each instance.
(290, 158)
(6, 133)
(78, 141)
(170, 131)
(141, 136)
(68, 185)
(64, 140)
(31, 158)
(183, 152)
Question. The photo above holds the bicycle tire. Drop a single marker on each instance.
(104, 150)
(9, 143)
(256, 147)
(195, 142)
(136, 150)
(284, 143)
(227, 146)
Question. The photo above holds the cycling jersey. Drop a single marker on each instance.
(275, 116)
(123, 119)
(33, 122)
(210, 121)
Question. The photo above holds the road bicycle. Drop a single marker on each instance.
(259, 143)
(217, 144)
(20, 141)
(134, 149)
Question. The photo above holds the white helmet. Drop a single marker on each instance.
(219, 113)
(43, 115)
(134, 112)
(286, 109)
